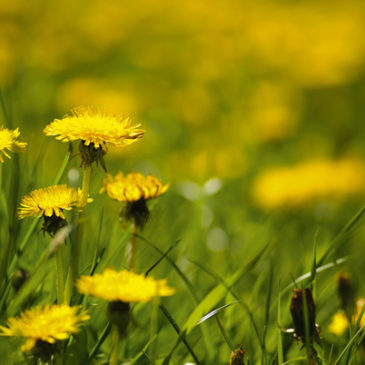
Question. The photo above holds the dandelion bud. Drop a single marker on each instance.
(19, 278)
(346, 293)
(119, 315)
(301, 302)
(237, 356)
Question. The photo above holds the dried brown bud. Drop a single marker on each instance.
(346, 293)
(237, 356)
(301, 299)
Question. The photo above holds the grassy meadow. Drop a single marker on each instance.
(250, 115)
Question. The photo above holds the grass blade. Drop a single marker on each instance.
(349, 345)
(143, 351)
(267, 315)
(181, 334)
(280, 339)
(346, 229)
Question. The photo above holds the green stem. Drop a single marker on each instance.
(73, 272)
(115, 346)
(154, 326)
(85, 187)
(60, 283)
(4, 259)
(58, 360)
(133, 247)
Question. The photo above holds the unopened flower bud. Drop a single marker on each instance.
(302, 301)
(19, 278)
(346, 293)
(237, 356)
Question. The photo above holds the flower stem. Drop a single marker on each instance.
(115, 346)
(154, 326)
(73, 272)
(58, 360)
(85, 187)
(60, 283)
(133, 246)
(6, 247)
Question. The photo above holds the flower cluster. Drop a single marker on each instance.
(291, 187)
(44, 327)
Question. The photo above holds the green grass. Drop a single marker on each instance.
(205, 80)
(215, 307)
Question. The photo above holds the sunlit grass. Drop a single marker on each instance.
(246, 188)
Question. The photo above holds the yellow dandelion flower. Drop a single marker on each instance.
(340, 322)
(290, 187)
(133, 187)
(49, 201)
(8, 142)
(45, 324)
(123, 286)
(94, 127)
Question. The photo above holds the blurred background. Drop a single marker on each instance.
(254, 112)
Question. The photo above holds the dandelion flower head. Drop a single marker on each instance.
(291, 187)
(340, 323)
(95, 128)
(124, 286)
(47, 324)
(133, 187)
(8, 142)
(49, 201)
